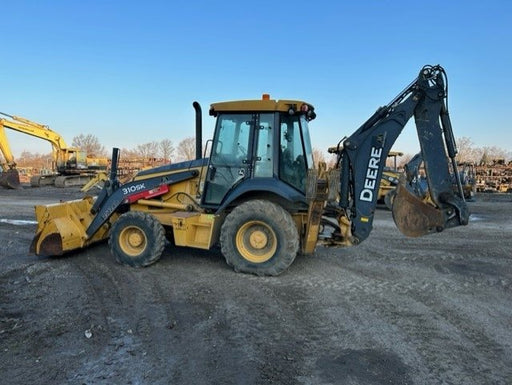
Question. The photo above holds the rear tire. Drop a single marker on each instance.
(259, 237)
(137, 239)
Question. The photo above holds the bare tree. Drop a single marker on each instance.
(36, 160)
(90, 144)
(493, 153)
(147, 150)
(128, 153)
(484, 160)
(187, 149)
(166, 149)
(318, 156)
(466, 151)
(480, 155)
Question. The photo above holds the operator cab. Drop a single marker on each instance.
(258, 139)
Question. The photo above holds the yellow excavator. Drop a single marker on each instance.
(257, 194)
(70, 165)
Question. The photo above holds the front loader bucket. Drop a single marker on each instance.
(413, 216)
(62, 227)
(10, 179)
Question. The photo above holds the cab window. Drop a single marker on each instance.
(263, 162)
(293, 159)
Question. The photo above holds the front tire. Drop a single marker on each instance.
(137, 239)
(259, 237)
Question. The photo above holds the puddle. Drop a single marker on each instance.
(476, 218)
(17, 222)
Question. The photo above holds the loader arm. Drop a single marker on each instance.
(76, 224)
(362, 159)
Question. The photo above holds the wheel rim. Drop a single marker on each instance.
(256, 241)
(132, 241)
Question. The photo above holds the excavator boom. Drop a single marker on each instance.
(362, 160)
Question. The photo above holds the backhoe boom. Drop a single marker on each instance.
(362, 157)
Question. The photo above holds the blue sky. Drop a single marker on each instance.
(128, 71)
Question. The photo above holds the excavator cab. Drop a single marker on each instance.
(266, 147)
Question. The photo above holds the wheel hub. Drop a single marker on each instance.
(135, 239)
(132, 241)
(258, 239)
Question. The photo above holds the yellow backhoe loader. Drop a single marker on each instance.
(257, 194)
(70, 165)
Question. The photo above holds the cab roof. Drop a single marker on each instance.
(261, 105)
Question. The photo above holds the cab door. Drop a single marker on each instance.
(264, 149)
(231, 156)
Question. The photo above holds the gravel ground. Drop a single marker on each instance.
(393, 310)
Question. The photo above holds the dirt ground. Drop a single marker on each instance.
(394, 310)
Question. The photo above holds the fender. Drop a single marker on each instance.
(267, 185)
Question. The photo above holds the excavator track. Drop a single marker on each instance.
(73, 180)
(42, 180)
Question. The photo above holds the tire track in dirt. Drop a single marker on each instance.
(111, 300)
(430, 310)
(410, 306)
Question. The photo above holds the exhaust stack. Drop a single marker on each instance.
(199, 130)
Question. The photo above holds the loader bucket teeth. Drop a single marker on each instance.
(10, 179)
(413, 216)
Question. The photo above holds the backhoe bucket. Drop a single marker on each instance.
(413, 216)
(10, 179)
(62, 227)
